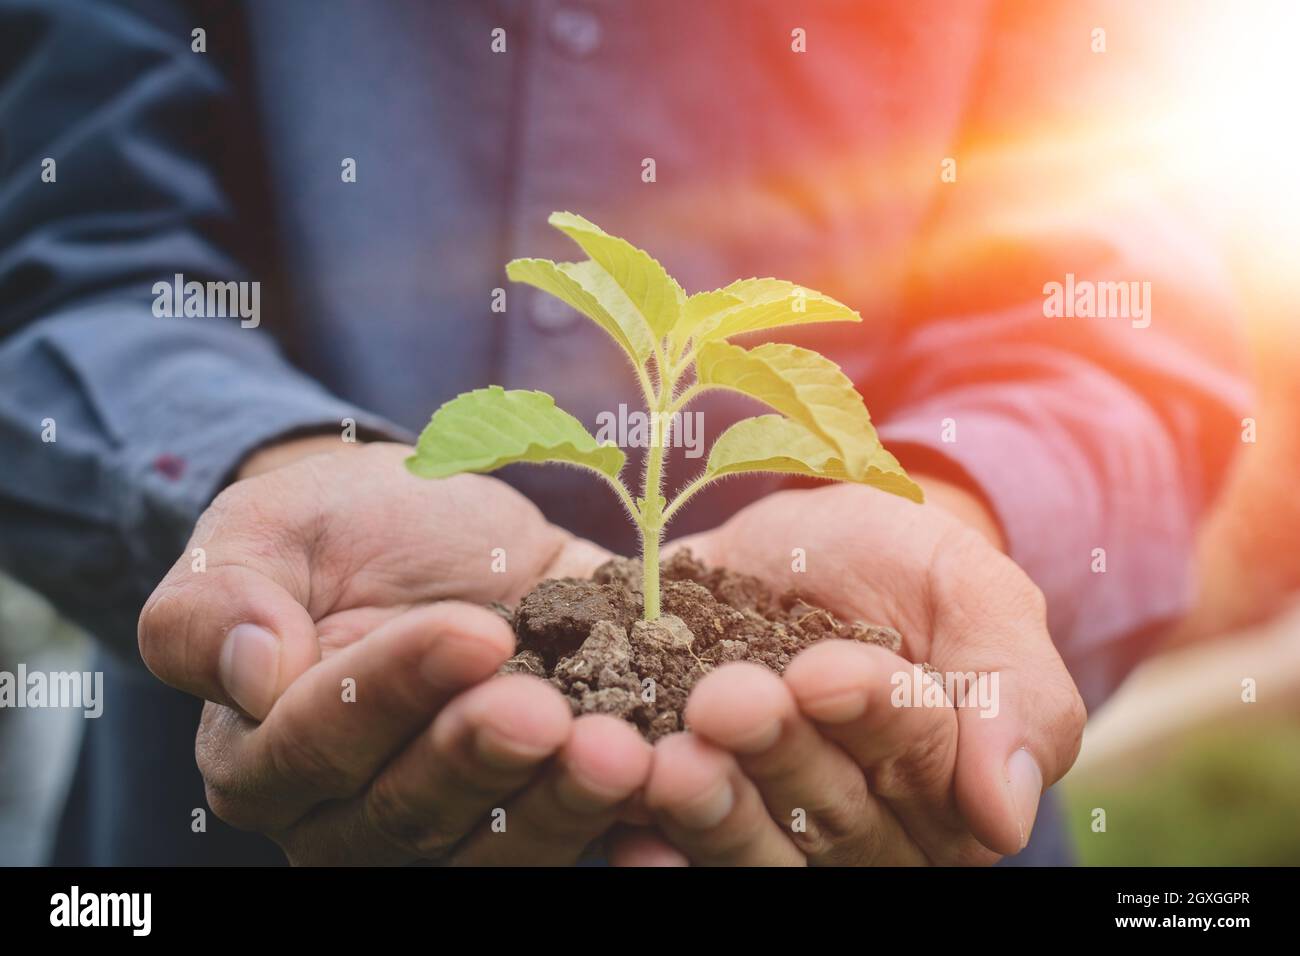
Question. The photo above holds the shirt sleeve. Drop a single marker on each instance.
(1098, 440)
(117, 426)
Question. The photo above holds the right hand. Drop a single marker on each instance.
(338, 634)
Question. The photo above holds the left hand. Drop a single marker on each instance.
(354, 710)
(877, 784)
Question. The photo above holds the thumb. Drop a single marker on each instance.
(1019, 716)
(237, 633)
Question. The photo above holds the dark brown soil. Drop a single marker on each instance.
(587, 636)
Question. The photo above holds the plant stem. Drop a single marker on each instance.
(647, 390)
(685, 398)
(685, 495)
(651, 521)
(623, 494)
(650, 571)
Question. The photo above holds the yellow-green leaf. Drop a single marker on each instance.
(587, 288)
(698, 308)
(769, 304)
(652, 291)
(801, 385)
(490, 427)
(778, 444)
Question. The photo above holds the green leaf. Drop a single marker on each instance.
(765, 304)
(698, 308)
(779, 444)
(652, 291)
(587, 288)
(490, 427)
(801, 385)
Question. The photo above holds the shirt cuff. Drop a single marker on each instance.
(173, 476)
(1111, 556)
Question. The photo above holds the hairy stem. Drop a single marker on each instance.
(651, 521)
(685, 398)
(685, 494)
(647, 389)
(650, 570)
(624, 495)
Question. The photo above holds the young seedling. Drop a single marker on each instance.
(822, 429)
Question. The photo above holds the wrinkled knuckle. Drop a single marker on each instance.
(222, 787)
(1035, 601)
(1077, 711)
(211, 767)
(819, 835)
(812, 841)
(967, 851)
(228, 804)
(1064, 716)
(154, 626)
(553, 829)
(926, 765)
(1073, 722)
(859, 842)
(930, 759)
(298, 755)
(1065, 705)
(841, 821)
(229, 497)
(390, 815)
(146, 636)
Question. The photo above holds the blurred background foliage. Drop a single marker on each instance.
(1220, 796)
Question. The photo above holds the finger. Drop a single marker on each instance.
(906, 744)
(229, 622)
(710, 811)
(634, 812)
(332, 730)
(577, 799)
(229, 634)
(641, 846)
(810, 786)
(1026, 726)
(578, 558)
(485, 746)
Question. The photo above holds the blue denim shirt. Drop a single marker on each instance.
(698, 130)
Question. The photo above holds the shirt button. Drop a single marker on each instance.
(576, 32)
(550, 314)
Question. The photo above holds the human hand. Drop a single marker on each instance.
(338, 634)
(877, 783)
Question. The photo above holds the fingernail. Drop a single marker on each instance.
(707, 810)
(503, 752)
(1025, 784)
(836, 708)
(453, 662)
(249, 667)
(578, 795)
(759, 738)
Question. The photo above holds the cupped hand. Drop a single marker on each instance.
(829, 764)
(330, 609)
